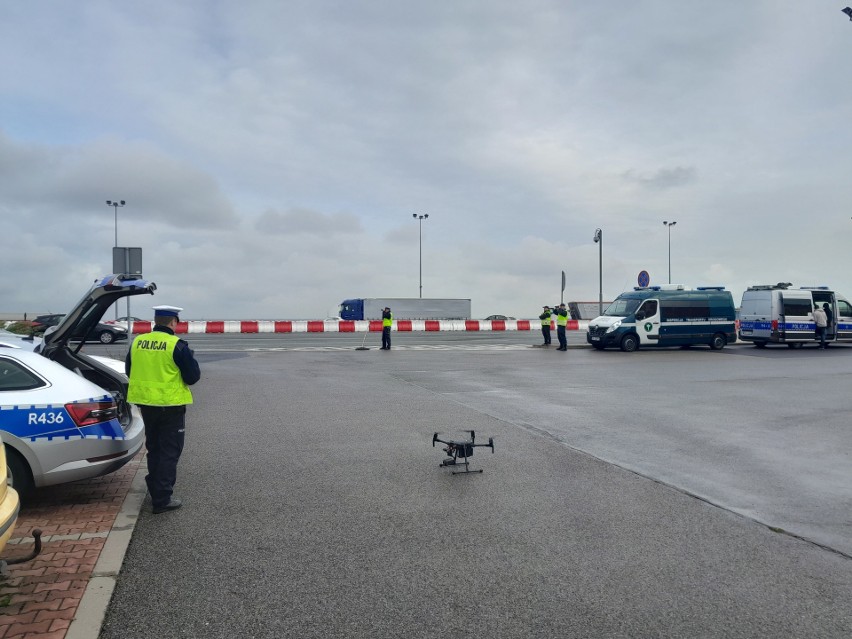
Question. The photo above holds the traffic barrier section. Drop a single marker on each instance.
(351, 326)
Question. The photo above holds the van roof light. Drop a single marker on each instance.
(710, 288)
(814, 288)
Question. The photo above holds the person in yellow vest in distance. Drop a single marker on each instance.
(562, 316)
(545, 324)
(387, 322)
(161, 367)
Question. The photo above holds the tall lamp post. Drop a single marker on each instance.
(115, 206)
(420, 219)
(670, 225)
(599, 242)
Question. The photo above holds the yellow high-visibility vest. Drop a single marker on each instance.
(155, 379)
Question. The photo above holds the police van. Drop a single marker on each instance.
(666, 316)
(780, 314)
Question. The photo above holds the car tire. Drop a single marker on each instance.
(106, 337)
(718, 342)
(18, 473)
(629, 343)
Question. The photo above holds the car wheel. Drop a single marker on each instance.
(629, 343)
(106, 337)
(18, 473)
(718, 342)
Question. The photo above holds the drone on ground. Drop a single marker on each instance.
(459, 451)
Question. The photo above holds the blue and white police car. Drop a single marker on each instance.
(64, 414)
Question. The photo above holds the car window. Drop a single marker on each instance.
(14, 377)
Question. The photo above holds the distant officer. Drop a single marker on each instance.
(821, 322)
(161, 367)
(561, 325)
(545, 324)
(387, 322)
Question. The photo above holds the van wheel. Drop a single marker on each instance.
(718, 342)
(794, 345)
(18, 474)
(629, 343)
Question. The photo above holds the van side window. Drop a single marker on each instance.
(648, 308)
(844, 309)
(797, 308)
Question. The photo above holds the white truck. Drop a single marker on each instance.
(370, 308)
(780, 314)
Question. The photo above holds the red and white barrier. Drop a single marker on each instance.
(351, 326)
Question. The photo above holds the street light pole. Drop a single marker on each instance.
(670, 225)
(420, 219)
(599, 242)
(115, 205)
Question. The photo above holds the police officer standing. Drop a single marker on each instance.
(161, 367)
(387, 322)
(561, 325)
(545, 325)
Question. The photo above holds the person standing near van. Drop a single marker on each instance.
(561, 326)
(161, 367)
(821, 322)
(829, 320)
(387, 322)
(545, 324)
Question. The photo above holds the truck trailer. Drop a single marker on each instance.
(370, 308)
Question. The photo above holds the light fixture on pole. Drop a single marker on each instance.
(670, 225)
(420, 219)
(115, 206)
(599, 242)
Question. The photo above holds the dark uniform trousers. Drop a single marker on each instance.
(386, 337)
(563, 340)
(164, 436)
(545, 332)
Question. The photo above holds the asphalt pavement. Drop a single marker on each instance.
(653, 494)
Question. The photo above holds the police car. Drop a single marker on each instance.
(64, 415)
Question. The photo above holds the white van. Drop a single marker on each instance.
(779, 314)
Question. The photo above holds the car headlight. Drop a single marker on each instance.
(614, 326)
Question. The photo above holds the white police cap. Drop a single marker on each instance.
(166, 311)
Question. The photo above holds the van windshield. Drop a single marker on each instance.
(622, 307)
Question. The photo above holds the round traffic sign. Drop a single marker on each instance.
(644, 279)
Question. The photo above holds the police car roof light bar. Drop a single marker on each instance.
(710, 288)
(814, 288)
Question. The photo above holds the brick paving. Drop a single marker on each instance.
(39, 599)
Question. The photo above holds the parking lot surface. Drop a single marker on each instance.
(661, 493)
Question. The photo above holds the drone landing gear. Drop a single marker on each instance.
(460, 452)
(453, 461)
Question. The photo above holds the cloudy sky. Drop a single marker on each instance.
(272, 153)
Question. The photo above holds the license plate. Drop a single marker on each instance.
(746, 331)
(595, 338)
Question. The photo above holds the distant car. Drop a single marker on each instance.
(42, 322)
(64, 414)
(499, 317)
(102, 332)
